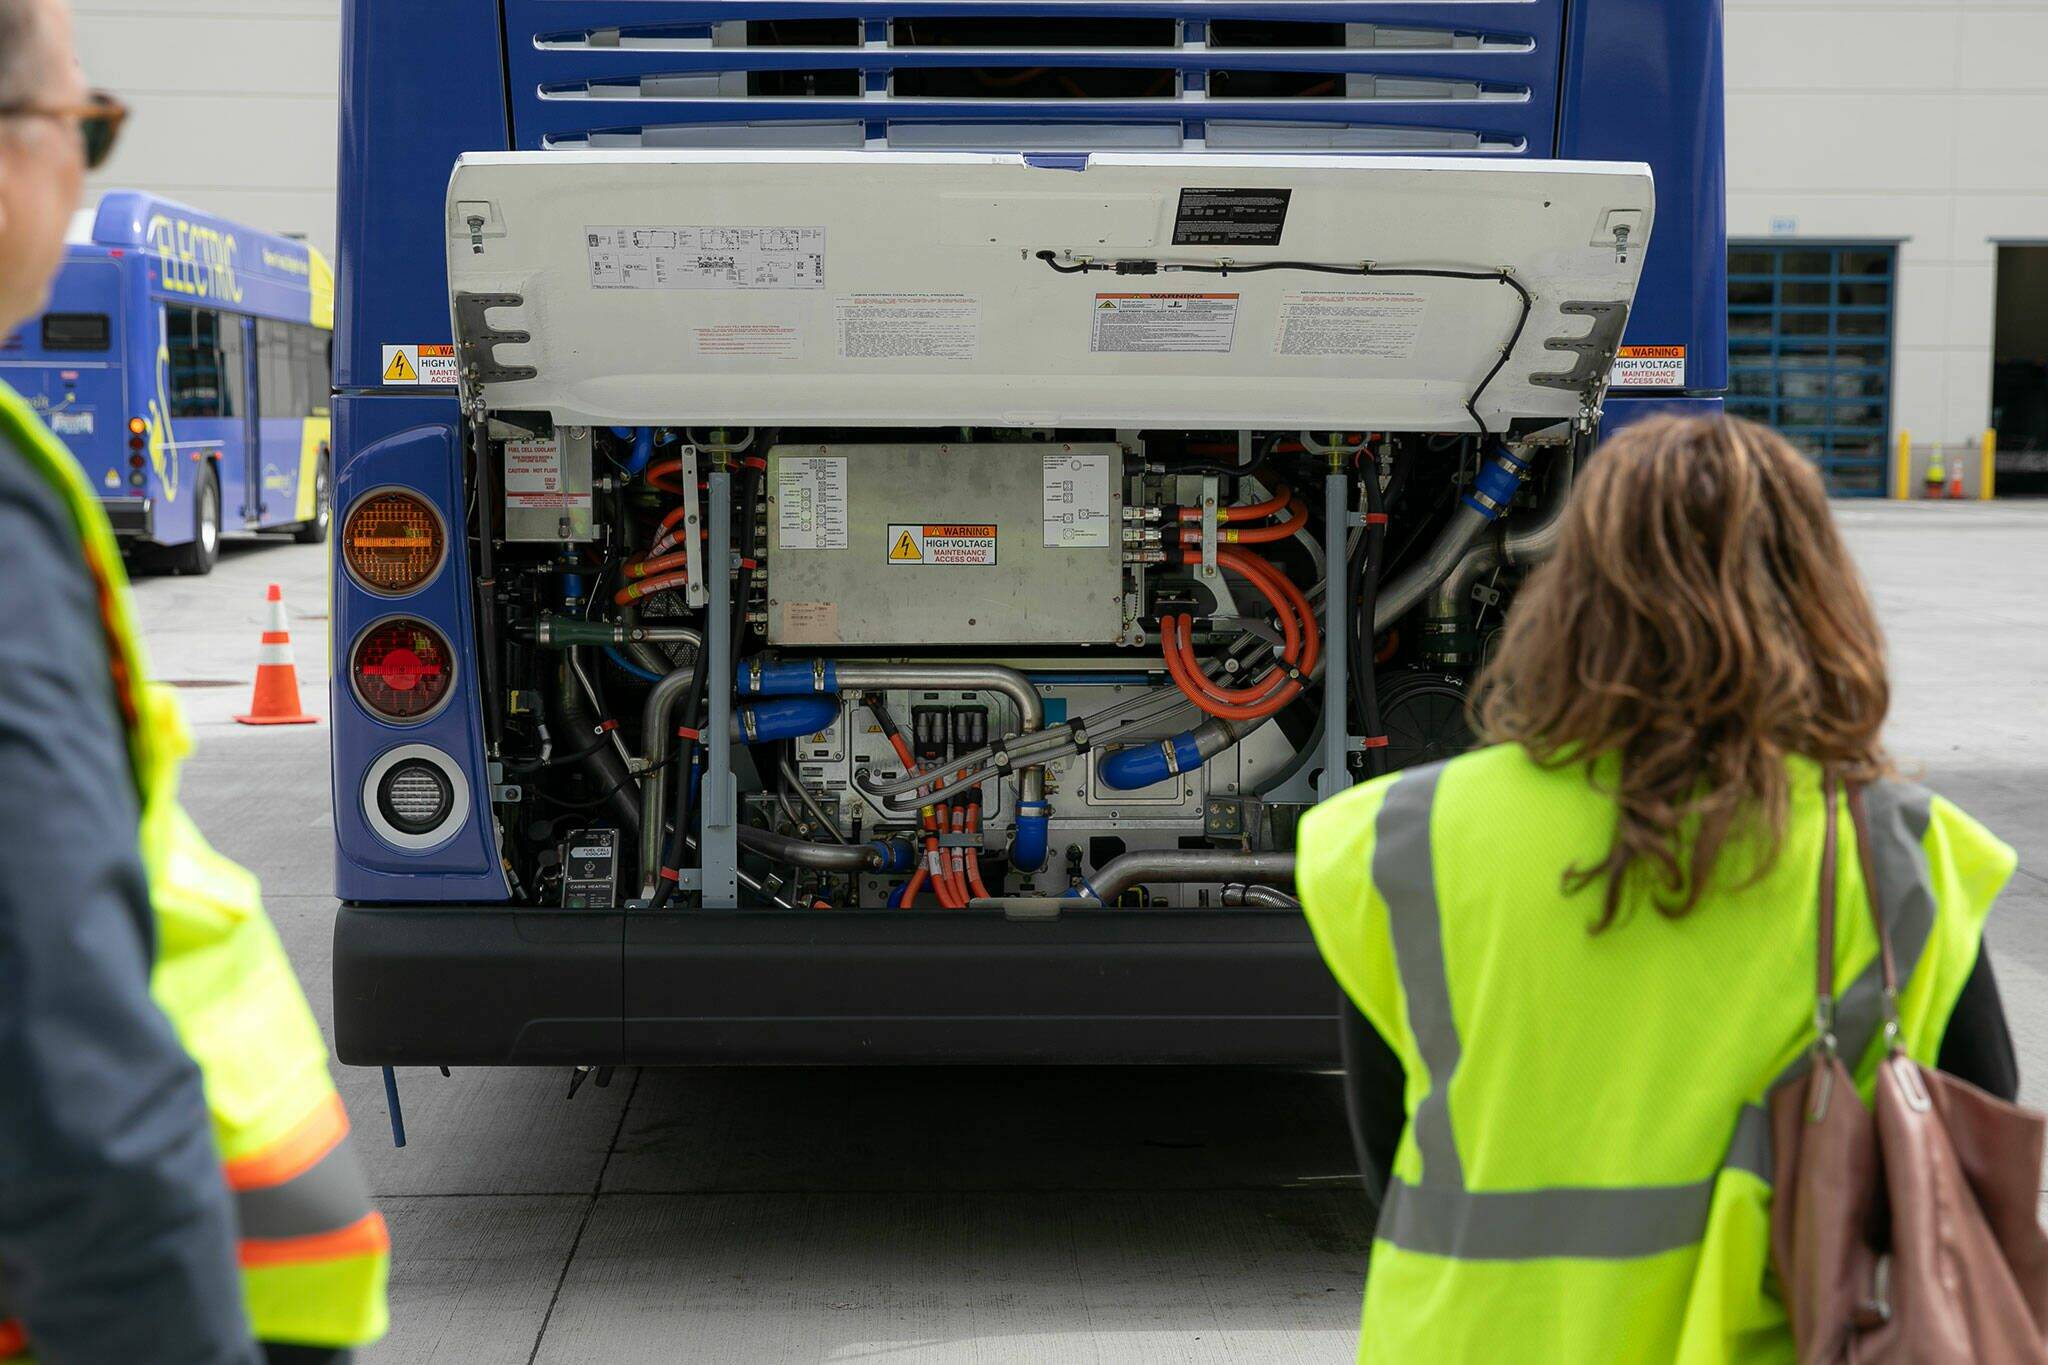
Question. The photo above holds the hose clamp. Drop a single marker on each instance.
(817, 675)
(755, 669)
(1172, 758)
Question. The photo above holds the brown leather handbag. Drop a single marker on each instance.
(1911, 1234)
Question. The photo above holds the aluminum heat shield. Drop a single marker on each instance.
(998, 544)
(904, 288)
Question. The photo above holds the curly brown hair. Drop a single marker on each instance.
(1699, 622)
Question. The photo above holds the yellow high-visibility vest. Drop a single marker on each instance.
(314, 1253)
(1586, 1170)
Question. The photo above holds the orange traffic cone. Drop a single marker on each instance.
(276, 700)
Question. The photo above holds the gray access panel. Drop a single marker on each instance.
(999, 544)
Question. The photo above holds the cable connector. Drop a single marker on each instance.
(1137, 267)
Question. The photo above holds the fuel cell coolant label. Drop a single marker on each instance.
(706, 258)
(1164, 324)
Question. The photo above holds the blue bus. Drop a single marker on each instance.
(185, 360)
(864, 523)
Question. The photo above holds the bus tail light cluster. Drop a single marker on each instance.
(138, 438)
(392, 542)
(402, 669)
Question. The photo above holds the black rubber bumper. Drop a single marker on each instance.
(477, 985)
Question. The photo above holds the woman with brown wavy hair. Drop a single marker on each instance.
(1584, 953)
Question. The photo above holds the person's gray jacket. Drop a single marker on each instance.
(117, 1235)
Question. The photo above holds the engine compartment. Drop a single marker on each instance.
(1013, 671)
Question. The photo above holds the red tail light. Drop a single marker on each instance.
(402, 669)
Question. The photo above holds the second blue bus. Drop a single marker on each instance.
(184, 359)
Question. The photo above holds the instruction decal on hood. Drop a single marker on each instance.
(706, 258)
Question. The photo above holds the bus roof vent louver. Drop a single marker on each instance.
(1428, 76)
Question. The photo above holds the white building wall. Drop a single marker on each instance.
(1904, 120)
(235, 104)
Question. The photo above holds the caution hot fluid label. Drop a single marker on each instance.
(941, 543)
(1649, 367)
(533, 477)
(421, 365)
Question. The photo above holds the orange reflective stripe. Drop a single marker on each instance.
(296, 1152)
(367, 1236)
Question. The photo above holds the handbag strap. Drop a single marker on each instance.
(1889, 960)
(1824, 989)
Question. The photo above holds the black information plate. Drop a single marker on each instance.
(590, 870)
(1230, 217)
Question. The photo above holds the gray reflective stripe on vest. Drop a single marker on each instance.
(1404, 871)
(325, 1197)
(1442, 1218)
(1899, 815)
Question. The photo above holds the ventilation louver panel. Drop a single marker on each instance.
(1427, 76)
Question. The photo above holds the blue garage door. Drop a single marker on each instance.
(1810, 351)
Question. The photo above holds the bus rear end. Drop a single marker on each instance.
(864, 525)
(70, 363)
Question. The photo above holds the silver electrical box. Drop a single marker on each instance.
(1000, 543)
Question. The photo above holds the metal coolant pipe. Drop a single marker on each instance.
(976, 677)
(804, 853)
(1500, 475)
(1520, 545)
(1397, 598)
(1264, 897)
(864, 677)
(1121, 873)
(657, 718)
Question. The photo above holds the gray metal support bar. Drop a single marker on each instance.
(719, 855)
(1336, 773)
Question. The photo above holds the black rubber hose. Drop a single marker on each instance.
(569, 715)
(686, 750)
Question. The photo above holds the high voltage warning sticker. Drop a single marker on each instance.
(1649, 367)
(948, 543)
(419, 365)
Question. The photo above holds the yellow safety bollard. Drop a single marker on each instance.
(1902, 468)
(1987, 482)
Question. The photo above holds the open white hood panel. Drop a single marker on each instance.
(905, 289)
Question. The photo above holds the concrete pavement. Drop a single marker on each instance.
(934, 1217)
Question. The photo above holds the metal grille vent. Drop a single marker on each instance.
(1402, 75)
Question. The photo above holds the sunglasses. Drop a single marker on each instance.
(99, 122)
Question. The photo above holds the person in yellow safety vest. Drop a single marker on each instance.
(151, 1209)
(1589, 945)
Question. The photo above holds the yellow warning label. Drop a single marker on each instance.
(942, 543)
(423, 363)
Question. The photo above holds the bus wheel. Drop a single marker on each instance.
(198, 555)
(314, 531)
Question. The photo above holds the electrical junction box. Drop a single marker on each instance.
(1004, 543)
